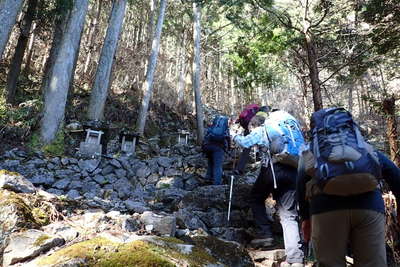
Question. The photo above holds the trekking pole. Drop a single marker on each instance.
(230, 197)
(272, 169)
(231, 187)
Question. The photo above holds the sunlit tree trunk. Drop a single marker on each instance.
(197, 72)
(15, 68)
(233, 94)
(9, 10)
(148, 84)
(30, 50)
(58, 84)
(150, 25)
(102, 80)
(181, 69)
(93, 30)
(49, 63)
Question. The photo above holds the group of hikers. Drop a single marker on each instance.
(327, 187)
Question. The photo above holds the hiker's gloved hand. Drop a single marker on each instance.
(306, 230)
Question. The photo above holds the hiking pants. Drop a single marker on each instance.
(243, 159)
(288, 217)
(285, 196)
(364, 230)
(215, 156)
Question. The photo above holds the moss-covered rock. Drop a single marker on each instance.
(15, 214)
(55, 148)
(102, 252)
(143, 252)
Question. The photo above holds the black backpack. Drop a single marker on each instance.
(344, 163)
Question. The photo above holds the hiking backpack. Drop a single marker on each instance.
(247, 114)
(344, 163)
(285, 137)
(218, 131)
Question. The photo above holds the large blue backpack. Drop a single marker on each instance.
(218, 131)
(285, 137)
(344, 163)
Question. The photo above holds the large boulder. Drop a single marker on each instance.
(15, 182)
(29, 244)
(16, 213)
(116, 249)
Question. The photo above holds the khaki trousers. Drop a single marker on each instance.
(363, 231)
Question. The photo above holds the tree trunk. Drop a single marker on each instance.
(389, 108)
(150, 25)
(15, 68)
(233, 94)
(102, 79)
(197, 72)
(9, 10)
(313, 71)
(30, 51)
(59, 29)
(148, 84)
(56, 90)
(350, 102)
(91, 36)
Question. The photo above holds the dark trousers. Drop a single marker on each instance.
(243, 159)
(215, 156)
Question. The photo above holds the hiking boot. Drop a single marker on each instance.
(262, 242)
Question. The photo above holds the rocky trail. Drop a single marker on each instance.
(125, 211)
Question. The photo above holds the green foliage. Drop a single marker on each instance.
(384, 16)
(255, 51)
(48, 12)
(17, 123)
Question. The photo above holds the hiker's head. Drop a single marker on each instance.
(256, 121)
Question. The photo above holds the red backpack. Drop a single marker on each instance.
(248, 112)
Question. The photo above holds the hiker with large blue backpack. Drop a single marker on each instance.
(340, 202)
(216, 142)
(278, 135)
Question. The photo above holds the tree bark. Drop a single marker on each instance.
(313, 71)
(56, 90)
(148, 84)
(182, 70)
(150, 25)
(389, 108)
(15, 68)
(9, 10)
(99, 93)
(59, 28)
(350, 102)
(197, 72)
(30, 51)
(91, 36)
